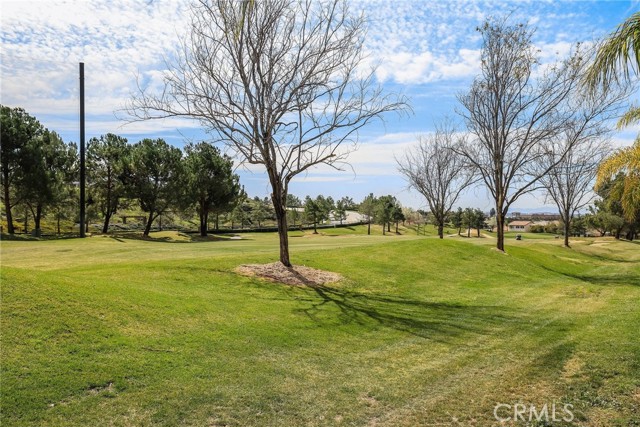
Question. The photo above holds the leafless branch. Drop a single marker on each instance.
(436, 171)
(278, 81)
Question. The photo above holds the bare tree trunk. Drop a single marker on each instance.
(369, 227)
(284, 239)
(37, 217)
(7, 204)
(618, 233)
(469, 231)
(202, 228)
(279, 197)
(58, 220)
(26, 221)
(478, 231)
(567, 228)
(203, 219)
(105, 226)
(147, 227)
(107, 216)
(500, 232)
(441, 230)
(217, 221)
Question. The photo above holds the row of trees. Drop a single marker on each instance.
(383, 210)
(40, 171)
(527, 128)
(281, 83)
(36, 164)
(312, 211)
(468, 218)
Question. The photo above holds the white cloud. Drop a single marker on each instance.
(429, 48)
(43, 42)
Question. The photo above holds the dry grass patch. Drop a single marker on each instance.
(297, 275)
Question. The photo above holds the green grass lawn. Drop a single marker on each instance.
(129, 332)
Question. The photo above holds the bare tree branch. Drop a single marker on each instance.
(436, 171)
(514, 118)
(278, 81)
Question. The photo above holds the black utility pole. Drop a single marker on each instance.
(82, 166)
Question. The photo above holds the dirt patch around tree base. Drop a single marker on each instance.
(298, 275)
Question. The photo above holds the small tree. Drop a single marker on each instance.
(154, 176)
(457, 219)
(397, 216)
(478, 220)
(437, 172)
(209, 182)
(17, 129)
(47, 166)
(385, 209)
(260, 210)
(316, 210)
(279, 81)
(603, 222)
(580, 149)
(106, 160)
(512, 117)
(368, 209)
(468, 219)
(348, 203)
(340, 211)
(293, 204)
(241, 210)
(611, 193)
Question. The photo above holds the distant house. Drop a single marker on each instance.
(520, 226)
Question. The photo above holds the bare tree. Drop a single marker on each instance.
(436, 171)
(278, 81)
(582, 146)
(513, 117)
(570, 183)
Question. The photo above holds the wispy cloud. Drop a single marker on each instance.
(430, 50)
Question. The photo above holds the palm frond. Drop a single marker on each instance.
(627, 161)
(632, 116)
(620, 53)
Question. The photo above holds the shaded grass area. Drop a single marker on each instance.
(103, 332)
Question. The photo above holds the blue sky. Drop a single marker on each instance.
(427, 50)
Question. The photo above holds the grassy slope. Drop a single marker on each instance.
(129, 332)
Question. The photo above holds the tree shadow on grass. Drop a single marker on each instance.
(617, 278)
(182, 238)
(433, 320)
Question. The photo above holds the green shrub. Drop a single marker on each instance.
(537, 229)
